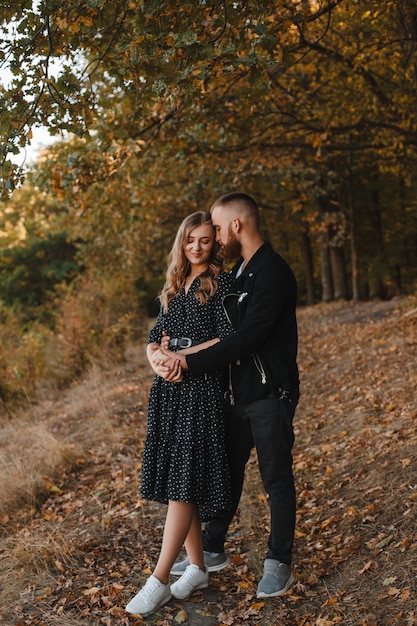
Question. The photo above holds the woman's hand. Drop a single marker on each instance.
(165, 341)
(165, 365)
(158, 357)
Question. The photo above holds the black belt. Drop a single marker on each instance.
(183, 342)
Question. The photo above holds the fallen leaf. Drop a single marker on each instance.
(91, 591)
(204, 612)
(181, 617)
(384, 542)
(365, 567)
(118, 586)
(257, 606)
(393, 591)
(405, 595)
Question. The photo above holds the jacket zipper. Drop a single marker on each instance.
(236, 295)
(259, 366)
(231, 393)
(256, 358)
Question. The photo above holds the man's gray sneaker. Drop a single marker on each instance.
(214, 562)
(277, 579)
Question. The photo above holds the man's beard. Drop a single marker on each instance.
(232, 248)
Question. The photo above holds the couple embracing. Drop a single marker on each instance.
(223, 349)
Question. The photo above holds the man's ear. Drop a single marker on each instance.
(236, 225)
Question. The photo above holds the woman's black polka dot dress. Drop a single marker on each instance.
(184, 457)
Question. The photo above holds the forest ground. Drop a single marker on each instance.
(76, 541)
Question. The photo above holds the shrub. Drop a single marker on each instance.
(94, 321)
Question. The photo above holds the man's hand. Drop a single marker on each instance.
(174, 374)
(175, 356)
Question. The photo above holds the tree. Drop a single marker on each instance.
(161, 55)
(29, 273)
(174, 103)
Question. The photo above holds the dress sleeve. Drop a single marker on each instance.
(156, 333)
(223, 326)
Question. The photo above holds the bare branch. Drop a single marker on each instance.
(220, 35)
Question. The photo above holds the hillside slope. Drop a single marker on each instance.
(76, 541)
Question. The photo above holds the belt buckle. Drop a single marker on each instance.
(185, 342)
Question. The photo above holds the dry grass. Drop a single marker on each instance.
(53, 434)
(37, 448)
(30, 457)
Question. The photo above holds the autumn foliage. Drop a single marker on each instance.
(158, 108)
(309, 106)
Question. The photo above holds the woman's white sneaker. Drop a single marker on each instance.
(153, 595)
(192, 579)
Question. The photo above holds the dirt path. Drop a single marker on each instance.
(78, 554)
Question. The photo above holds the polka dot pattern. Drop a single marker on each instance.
(184, 457)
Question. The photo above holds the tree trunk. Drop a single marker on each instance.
(308, 267)
(339, 273)
(326, 271)
(376, 272)
(353, 246)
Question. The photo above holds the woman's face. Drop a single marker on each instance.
(199, 246)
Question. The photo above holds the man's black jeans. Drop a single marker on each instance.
(266, 424)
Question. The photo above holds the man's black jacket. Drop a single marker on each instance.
(262, 351)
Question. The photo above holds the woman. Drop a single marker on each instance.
(184, 460)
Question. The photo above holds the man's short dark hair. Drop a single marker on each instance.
(241, 201)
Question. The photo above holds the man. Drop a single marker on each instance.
(263, 386)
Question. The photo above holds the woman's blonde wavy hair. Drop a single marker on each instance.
(179, 266)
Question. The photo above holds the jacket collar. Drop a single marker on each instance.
(255, 260)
